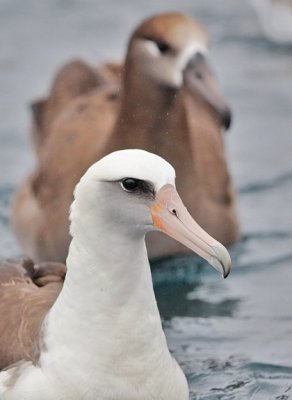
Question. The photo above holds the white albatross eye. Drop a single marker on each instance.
(138, 186)
(130, 184)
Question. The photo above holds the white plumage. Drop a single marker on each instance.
(103, 338)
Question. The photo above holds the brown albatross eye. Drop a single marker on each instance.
(163, 46)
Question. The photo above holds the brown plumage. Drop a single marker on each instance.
(93, 111)
(27, 292)
(73, 80)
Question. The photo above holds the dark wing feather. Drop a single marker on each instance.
(27, 292)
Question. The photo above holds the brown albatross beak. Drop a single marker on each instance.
(199, 79)
(171, 217)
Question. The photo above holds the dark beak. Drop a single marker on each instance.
(200, 80)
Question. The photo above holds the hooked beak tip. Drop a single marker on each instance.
(222, 259)
(227, 118)
(225, 272)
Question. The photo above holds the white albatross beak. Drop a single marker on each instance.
(171, 217)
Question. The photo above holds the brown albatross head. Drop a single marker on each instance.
(171, 50)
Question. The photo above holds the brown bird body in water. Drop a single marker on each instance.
(165, 100)
(27, 292)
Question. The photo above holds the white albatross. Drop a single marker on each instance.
(102, 339)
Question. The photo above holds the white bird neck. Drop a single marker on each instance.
(110, 273)
(106, 314)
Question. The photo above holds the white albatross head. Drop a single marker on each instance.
(133, 192)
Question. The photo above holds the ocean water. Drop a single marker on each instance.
(232, 337)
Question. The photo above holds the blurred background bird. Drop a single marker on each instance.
(275, 17)
(165, 99)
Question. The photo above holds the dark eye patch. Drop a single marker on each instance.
(163, 46)
(138, 186)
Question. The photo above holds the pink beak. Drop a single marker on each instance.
(171, 217)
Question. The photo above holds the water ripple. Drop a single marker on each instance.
(274, 183)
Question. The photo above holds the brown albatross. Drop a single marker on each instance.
(168, 102)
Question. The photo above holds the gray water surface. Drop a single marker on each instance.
(233, 337)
